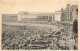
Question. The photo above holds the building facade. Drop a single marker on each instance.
(24, 16)
(70, 13)
(57, 16)
(9, 17)
(63, 15)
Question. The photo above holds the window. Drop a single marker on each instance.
(76, 11)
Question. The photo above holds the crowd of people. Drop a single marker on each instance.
(15, 37)
(34, 37)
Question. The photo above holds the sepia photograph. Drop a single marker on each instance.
(39, 25)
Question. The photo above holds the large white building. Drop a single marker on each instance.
(57, 15)
(35, 16)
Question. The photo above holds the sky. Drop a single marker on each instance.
(14, 6)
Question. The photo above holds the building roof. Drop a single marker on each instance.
(24, 12)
